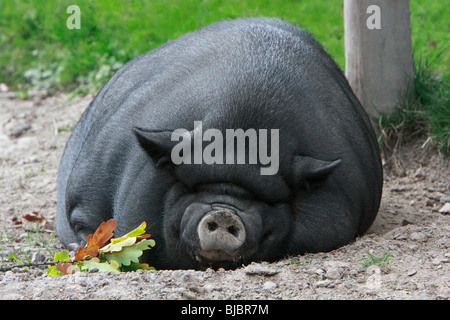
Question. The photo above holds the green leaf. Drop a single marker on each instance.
(130, 254)
(52, 271)
(118, 246)
(134, 233)
(95, 263)
(136, 266)
(63, 256)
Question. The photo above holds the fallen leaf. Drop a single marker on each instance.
(122, 254)
(65, 268)
(16, 221)
(136, 266)
(130, 254)
(52, 271)
(134, 233)
(118, 246)
(63, 256)
(95, 263)
(132, 237)
(95, 241)
(35, 217)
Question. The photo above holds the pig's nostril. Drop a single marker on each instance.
(212, 226)
(233, 230)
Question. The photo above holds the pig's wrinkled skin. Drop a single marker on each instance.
(245, 73)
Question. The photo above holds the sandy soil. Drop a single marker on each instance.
(409, 227)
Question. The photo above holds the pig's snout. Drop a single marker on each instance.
(221, 234)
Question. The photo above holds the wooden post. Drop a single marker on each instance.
(378, 53)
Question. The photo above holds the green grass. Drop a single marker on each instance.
(371, 260)
(20, 253)
(424, 111)
(39, 50)
(430, 31)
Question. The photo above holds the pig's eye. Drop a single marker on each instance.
(77, 228)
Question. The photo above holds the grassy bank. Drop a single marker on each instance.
(424, 111)
(38, 50)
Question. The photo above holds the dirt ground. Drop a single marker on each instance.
(409, 229)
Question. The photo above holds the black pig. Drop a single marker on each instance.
(248, 74)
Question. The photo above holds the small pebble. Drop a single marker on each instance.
(411, 273)
(269, 285)
(335, 273)
(37, 258)
(323, 283)
(418, 236)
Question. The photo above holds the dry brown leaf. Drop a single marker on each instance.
(35, 217)
(65, 268)
(103, 233)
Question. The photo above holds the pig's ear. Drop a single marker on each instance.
(308, 172)
(158, 144)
